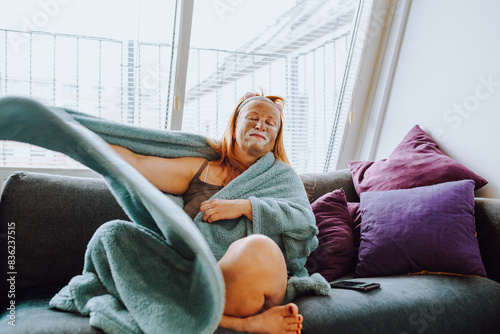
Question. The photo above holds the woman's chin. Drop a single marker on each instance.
(257, 151)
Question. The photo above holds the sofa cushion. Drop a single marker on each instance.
(416, 161)
(407, 304)
(333, 256)
(33, 315)
(421, 229)
(403, 305)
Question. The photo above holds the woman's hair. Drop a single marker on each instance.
(225, 146)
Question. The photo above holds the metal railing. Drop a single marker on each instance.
(128, 81)
(101, 76)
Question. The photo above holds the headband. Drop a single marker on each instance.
(252, 96)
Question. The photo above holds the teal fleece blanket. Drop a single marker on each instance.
(159, 273)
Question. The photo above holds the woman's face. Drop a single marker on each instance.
(256, 129)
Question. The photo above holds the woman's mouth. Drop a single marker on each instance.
(258, 136)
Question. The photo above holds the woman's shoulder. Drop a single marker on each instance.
(175, 174)
(191, 160)
(191, 164)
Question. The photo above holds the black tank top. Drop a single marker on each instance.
(197, 192)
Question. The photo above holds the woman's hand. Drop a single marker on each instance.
(218, 209)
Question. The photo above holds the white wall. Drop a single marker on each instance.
(447, 80)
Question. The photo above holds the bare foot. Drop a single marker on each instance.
(276, 320)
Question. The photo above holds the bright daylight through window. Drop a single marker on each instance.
(121, 65)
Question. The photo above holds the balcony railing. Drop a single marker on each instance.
(129, 81)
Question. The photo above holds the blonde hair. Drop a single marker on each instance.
(225, 146)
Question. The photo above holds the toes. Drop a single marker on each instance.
(294, 327)
(290, 309)
(293, 331)
(294, 319)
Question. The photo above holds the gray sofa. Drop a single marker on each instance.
(47, 220)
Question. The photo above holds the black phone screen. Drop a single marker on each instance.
(360, 286)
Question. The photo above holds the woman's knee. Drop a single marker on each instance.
(255, 250)
(256, 259)
(260, 244)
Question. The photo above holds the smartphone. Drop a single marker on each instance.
(358, 286)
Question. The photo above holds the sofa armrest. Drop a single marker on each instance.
(54, 217)
(487, 214)
(318, 184)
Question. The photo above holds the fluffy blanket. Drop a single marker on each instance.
(160, 273)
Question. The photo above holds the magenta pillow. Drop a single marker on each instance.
(333, 257)
(355, 212)
(416, 161)
(427, 228)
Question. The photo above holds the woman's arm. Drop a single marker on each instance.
(171, 175)
(218, 209)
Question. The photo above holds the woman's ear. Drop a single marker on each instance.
(280, 107)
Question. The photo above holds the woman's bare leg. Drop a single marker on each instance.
(255, 276)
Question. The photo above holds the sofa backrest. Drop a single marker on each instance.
(52, 218)
(318, 184)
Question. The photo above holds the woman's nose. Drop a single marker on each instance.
(260, 125)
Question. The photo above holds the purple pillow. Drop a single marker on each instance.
(332, 259)
(415, 162)
(428, 229)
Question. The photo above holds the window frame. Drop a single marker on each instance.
(372, 87)
(369, 100)
(377, 69)
(183, 45)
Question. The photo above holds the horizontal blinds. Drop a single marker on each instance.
(299, 51)
(123, 79)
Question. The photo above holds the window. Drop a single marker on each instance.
(307, 51)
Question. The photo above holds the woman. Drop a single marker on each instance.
(254, 267)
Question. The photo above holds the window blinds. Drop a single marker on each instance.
(306, 51)
(123, 75)
(300, 50)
